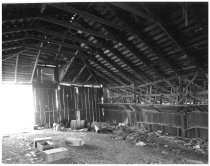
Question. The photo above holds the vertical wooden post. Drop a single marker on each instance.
(180, 89)
(16, 67)
(36, 62)
(54, 107)
(134, 88)
(38, 74)
(161, 99)
(59, 103)
(77, 104)
(35, 105)
(150, 94)
(56, 74)
(196, 132)
(184, 123)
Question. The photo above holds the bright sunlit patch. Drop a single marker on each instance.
(17, 108)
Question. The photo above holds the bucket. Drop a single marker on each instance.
(58, 127)
(77, 124)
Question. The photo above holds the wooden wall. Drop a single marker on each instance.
(166, 119)
(64, 104)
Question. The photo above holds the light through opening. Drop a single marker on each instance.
(17, 108)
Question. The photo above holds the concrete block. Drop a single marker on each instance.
(70, 141)
(41, 139)
(55, 154)
(46, 145)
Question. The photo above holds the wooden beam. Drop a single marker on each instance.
(115, 65)
(153, 82)
(191, 81)
(65, 69)
(76, 27)
(110, 47)
(92, 72)
(89, 16)
(173, 37)
(87, 79)
(12, 48)
(182, 92)
(61, 35)
(67, 54)
(35, 64)
(4, 59)
(63, 44)
(101, 73)
(81, 70)
(14, 39)
(109, 71)
(126, 7)
(138, 31)
(12, 30)
(137, 72)
(16, 67)
(153, 105)
(170, 84)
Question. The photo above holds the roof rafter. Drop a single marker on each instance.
(60, 35)
(116, 53)
(110, 71)
(65, 69)
(149, 43)
(77, 76)
(76, 27)
(87, 80)
(173, 37)
(63, 44)
(101, 73)
(89, 16)
(36, 62)
(67, 54)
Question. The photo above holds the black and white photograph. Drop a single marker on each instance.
(104, 82)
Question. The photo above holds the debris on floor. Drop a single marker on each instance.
(104, 148)
(140, 143)
(71, 141)
(137, 134)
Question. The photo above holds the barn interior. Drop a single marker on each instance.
(105, 83)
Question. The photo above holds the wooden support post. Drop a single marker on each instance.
(161, 99)
(197, 132)
(59, 103)
(182, 97)
(35, 64)
(150, 92)
(134, 89)
(56, 74)
(184, 124)
(77, 104)
(180, 89)
(16, 68)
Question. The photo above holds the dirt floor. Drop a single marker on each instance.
(98, 149)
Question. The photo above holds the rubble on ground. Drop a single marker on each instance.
(137, 134)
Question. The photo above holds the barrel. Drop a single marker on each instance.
(77, 124)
